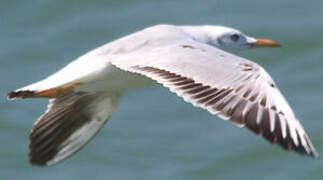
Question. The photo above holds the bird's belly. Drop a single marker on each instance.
(113, 79)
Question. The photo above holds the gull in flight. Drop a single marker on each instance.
(192, 61)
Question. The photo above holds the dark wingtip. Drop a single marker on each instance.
(35, 158)
(37, 162)
(20, 94)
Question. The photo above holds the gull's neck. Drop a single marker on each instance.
(197, 32)
(204, 34)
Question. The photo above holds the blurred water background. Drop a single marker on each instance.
(154, 134)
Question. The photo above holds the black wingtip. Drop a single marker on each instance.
(20, 94)
(37, 164)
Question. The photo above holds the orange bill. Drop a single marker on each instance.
(265, 43)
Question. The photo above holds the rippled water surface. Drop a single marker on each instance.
(154, 134)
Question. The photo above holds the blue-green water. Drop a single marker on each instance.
(154, 134)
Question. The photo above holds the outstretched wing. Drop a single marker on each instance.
(224, 84)
(69, 123)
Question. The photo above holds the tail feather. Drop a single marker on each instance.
(20, 94)
(47, 93)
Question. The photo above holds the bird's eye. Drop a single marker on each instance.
(235, 37)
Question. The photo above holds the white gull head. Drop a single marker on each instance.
(226, 38)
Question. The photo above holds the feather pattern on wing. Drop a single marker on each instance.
(224, 84)
(69, 123)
